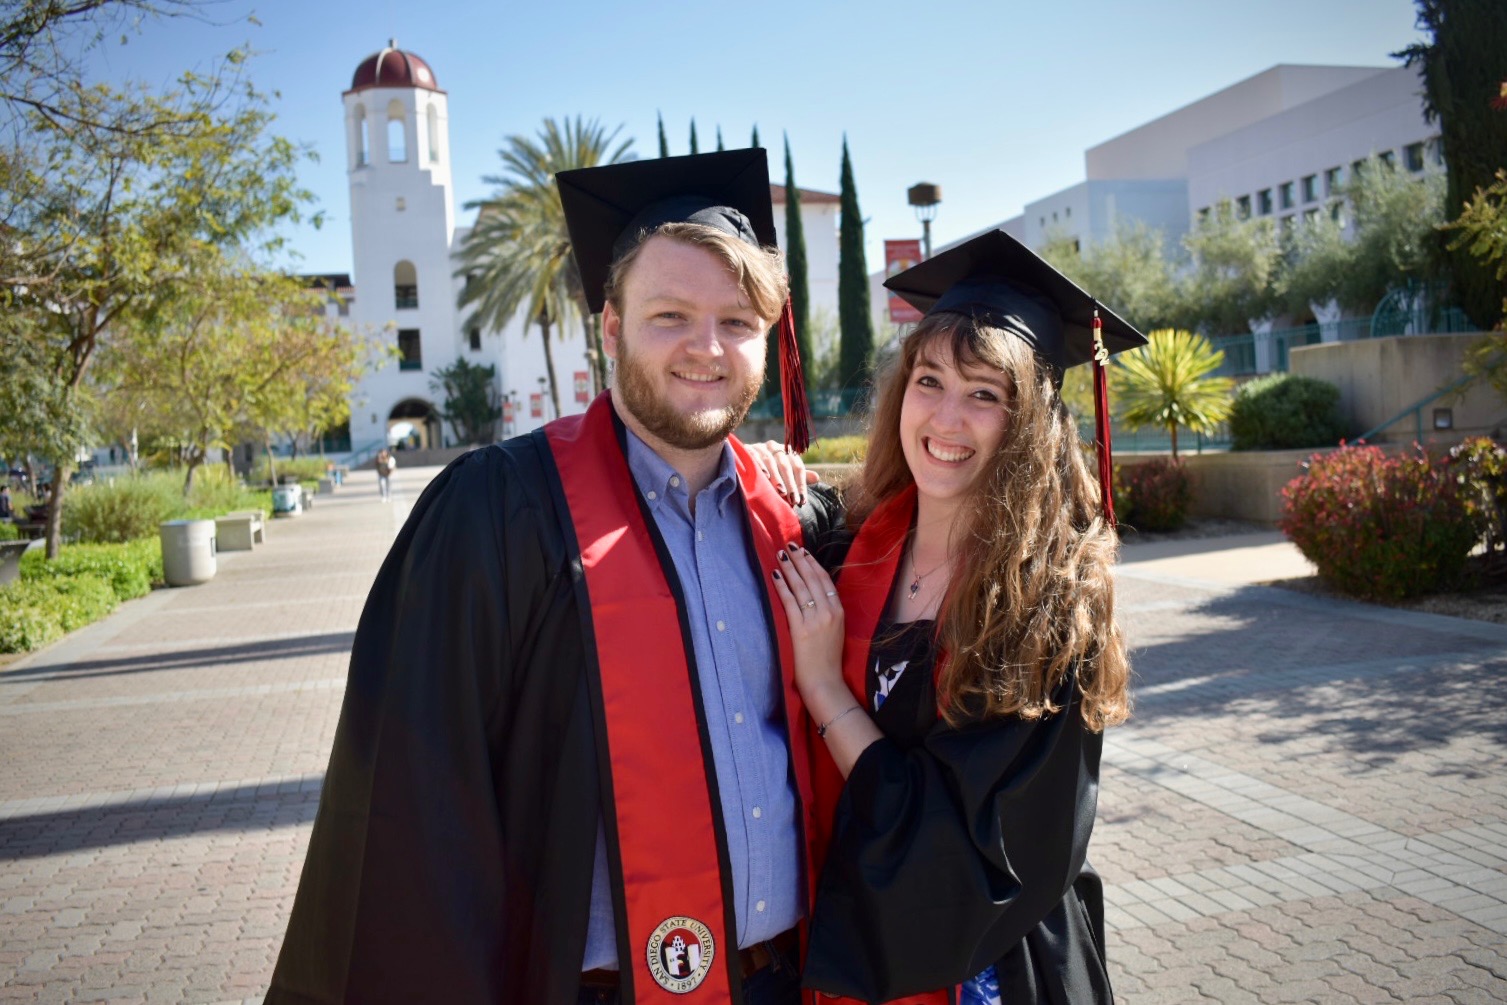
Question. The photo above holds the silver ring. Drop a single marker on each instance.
(831, 593)
(809, 603)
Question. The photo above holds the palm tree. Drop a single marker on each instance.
(1168, 383)
(518, 255)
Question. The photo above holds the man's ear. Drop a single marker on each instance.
(612, 328)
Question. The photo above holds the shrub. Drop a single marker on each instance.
(129, 508)
(9, 531)
(1284, 411)
(1480, 471)
(837, 450)
(36, 612)
(1152, 495)
(128, 569)
(302, 468)
(1380, 527)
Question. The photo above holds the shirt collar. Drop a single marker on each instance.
(652, 473)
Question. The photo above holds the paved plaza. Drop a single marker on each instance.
(1310, 804)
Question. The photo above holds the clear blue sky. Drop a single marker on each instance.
(993, 101)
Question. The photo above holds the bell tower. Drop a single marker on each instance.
(402, 227)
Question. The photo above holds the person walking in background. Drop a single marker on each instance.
(386, 465)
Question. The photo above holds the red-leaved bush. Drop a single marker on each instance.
(1152, 495)
(1378, 526)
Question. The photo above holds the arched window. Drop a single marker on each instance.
(363, 138)
(433, 118)
(397, 134)
(405, 285)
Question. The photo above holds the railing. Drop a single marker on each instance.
(1242, 356)
(356, 458)
(1416, 410)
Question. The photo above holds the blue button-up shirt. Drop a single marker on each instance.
(740, 691)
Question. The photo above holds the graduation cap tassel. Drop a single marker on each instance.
(793, 385)
(1101, 420)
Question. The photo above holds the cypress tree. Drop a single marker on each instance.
(693, 137)
(720, 147)
(855, 323)
(664, 144)
(755, 141)
(795, 262)
(1464, 67)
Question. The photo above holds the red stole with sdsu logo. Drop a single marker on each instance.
(873, 561)
(664, 821)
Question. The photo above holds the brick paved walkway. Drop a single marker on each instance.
(1309, 806)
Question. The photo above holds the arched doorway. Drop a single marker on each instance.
(413, 424)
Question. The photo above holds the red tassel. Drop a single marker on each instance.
(1101, 421)
(793, 386)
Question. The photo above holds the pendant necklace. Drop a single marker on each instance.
(915, 584)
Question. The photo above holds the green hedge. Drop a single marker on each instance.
(1285, 411)
(130, 568)
(36, 612)
(135, 506)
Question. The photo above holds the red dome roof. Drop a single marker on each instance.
(392, 67)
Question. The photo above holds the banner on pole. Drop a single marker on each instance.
(899, 256)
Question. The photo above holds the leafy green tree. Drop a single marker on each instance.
(795, 263)
(518, 255)
(1169, 382)
(1232, 277)
(1482, 233)
(754, 140)
(1464, 64)
(664, 143)
(234, 348)
(1396, 218)
(472, 403)
(854, 317)
(694, 148)
(109, 202)
(1129, 272)
(720, 145)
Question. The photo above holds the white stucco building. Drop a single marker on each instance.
(1278, 144)
(404, 235)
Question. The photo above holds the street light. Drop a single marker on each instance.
(925, 197)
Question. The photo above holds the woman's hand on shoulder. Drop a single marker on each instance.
(815, 615)
(783, 468)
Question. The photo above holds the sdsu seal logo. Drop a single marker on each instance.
(681, 951)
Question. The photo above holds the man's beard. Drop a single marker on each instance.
(634, 388)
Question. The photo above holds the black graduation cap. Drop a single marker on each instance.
(995, 278)
(607, 208)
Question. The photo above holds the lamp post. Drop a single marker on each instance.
(925, 197)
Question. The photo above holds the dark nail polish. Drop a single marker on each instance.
(791, 545)
(777, 574)
(784, 557)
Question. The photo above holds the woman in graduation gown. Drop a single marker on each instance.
(963, 668)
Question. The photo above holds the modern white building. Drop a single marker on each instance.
(404, 237)
(1278, 144)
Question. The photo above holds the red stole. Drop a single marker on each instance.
(665, 823)
(864, 587)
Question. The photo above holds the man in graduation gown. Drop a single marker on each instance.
(563, 769)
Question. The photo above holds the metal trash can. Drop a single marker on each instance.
(287, 500)
(188, 551)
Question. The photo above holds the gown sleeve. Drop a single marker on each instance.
(406, 869)
(945, 856)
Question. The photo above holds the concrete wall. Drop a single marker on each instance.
(1237, 486)
(1378, 378)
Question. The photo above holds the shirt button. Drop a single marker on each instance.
(757, 813)
(721, 626)
(653, 495)
(737, 717)
(759, 906)
(674, 483)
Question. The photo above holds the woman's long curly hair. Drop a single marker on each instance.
(1032, 595)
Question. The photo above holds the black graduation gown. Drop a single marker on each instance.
(451, 857)
(957, 848)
